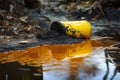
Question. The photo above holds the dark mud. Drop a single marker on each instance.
(101, 29)
(49, 37)
(112, 31)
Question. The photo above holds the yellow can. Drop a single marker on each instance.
(76, 29)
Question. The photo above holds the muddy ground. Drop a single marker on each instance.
(103, 32)
(18, 31)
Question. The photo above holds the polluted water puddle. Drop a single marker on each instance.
(80, 61)
(46, 54)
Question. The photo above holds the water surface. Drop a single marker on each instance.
(87, 60)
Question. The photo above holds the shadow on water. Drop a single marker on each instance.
(79, 61)
(14, 71)
(113, 56)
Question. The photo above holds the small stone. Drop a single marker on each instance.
(23, 42)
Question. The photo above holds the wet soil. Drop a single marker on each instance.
(9, 43)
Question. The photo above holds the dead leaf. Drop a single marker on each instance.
(24, 19)
(29, 28)
(5, 23)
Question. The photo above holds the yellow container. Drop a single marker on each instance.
(76, 29)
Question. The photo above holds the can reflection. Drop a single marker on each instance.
(71, 51)
(46, 54)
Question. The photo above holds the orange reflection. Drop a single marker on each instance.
(46, 54)
(61, 52)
